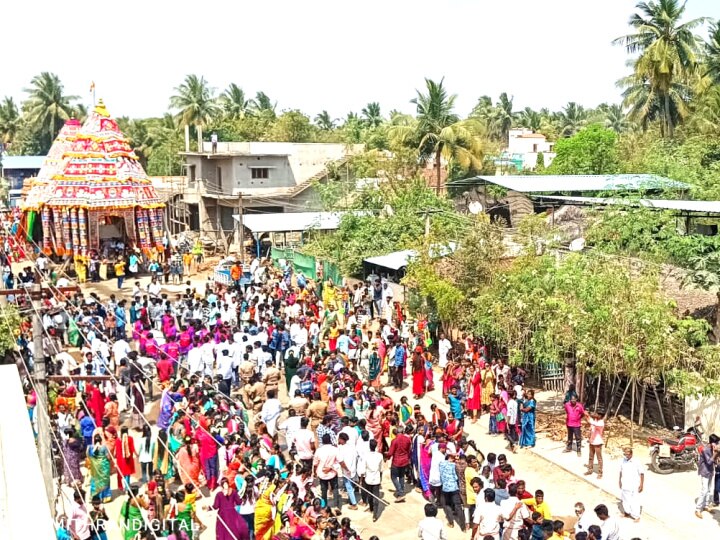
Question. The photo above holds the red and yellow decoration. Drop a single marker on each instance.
(92, 174)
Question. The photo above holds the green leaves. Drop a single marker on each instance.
(592, 150)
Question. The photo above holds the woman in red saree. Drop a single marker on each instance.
(453, 428)
(125, 456)
(473, 403)
(418, 373)
(188, 460)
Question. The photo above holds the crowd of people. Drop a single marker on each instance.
(274, 406)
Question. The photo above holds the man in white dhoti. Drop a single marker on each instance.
(632, 479)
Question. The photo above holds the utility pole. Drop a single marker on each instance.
(43, 420)
(241, 229)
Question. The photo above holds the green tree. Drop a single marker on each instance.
(292, 126)
(667, 50)
(572, 119)
(502, 118)
(371, 115)
(140, 137)
(233, 102)
(194, 102)
(10, 121)
(439, 132)
(616, 119)
(529, 119)
(592, 150)
(324, 121)
(9, 327)
(262, 104)
(47, 107)
(712, 54)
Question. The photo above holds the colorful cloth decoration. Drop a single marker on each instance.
(46, 218)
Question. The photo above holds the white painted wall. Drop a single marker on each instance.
(708, 409)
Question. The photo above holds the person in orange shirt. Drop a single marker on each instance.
(236, 273)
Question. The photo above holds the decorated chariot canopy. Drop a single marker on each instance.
(99, 189)
(33, 188)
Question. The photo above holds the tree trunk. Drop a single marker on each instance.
(438, 156)
(641, 418)
(668, 118)
(570, 375)
(622, 399)
(580, 382)
(659, 403)
(632, 413)
(597, 392)
(610, 396)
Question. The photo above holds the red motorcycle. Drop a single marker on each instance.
(668, 455)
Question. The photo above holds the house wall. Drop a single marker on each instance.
(280, 173)
(707, 408)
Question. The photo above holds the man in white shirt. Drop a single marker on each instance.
(632, 478)
(270, 412)
(154, 288)
(430, 527)
(291, 426)
(347, 456)
(370, 466)
(207, 350)
(349, 430)
(195, 360)
(487, 516)
(305, 443)
(512, 417)
(120, 350)
(609, 526)
(584, 519)
(514, 512)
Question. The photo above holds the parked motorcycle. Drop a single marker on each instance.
(668, 455)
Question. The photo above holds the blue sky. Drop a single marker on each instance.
(322, 54)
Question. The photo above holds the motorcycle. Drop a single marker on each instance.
(668, 455)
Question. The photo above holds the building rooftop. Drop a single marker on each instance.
(570, 183)
(22, 162)
(291, 221)
(703, 207)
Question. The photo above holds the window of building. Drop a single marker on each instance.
(191, 171)
(260, 173)
(534, 147)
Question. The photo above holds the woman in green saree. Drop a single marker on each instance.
(132, 522)
(100, 467)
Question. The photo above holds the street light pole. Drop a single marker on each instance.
(43, 420)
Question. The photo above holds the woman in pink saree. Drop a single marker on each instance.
(374, 417)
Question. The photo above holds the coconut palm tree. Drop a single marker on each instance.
(194, 102)
(529, 119)
(263, 104)
(440, 132)
(371, 114)
(615, 118)
(572, 119)
(502, 118)
(712, 54)
(10, 121)
(233, 102)
(324, 121)
(644, 103)
(47, 108)
(667, 50)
